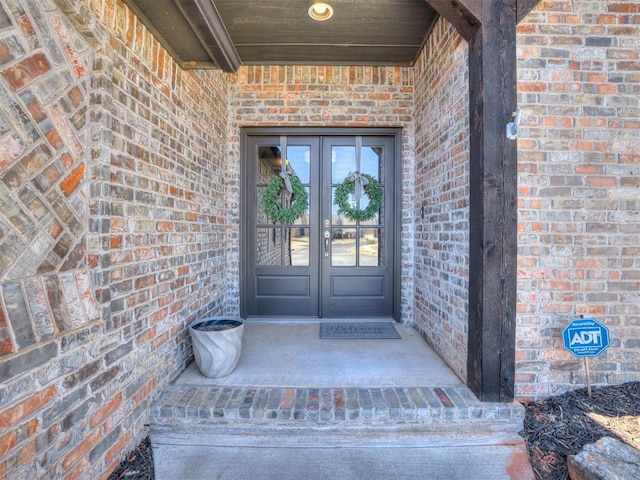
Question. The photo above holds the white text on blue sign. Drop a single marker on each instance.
(585, 337)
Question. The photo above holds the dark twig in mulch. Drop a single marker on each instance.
(138, 465)
(560, 426)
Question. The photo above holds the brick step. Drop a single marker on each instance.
(345, 406)
(236, 433)
(341, 416)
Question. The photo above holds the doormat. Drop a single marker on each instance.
(358, 331)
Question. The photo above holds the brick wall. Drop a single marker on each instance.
(319, 96)
(119, 187)
(441, 210)
(579, 190)
(113, 235)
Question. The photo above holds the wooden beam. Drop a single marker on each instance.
(473, 6)
(524, 7)
(464, 15)
(206, 23)
(493, 208)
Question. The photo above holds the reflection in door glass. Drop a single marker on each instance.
(337, 218)
(343, 247)
(376, 220)
(304, 218)
(261, 216)
(268, 246)
(269, 163)
(371, 162)
(370, 251)
(269, 243)
(298, 246)
(352, 245)
(343, 161)
(298, 158)
(340, 219)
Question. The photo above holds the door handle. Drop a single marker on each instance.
(326, 242)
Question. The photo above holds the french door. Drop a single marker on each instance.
(327, 262)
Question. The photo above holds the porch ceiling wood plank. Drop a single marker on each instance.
(524, 7)
(493, 207)
(226, 33)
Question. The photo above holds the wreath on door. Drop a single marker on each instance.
(272, 202)
(358, 183)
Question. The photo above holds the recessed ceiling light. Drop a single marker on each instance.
(320, 11)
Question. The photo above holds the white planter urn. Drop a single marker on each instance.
(217, 342)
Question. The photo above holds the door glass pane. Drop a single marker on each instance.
(338, 218)
(371, 162)
(343, 247)
(299, 158)
(370, 251)
(261, 216)
(298, 246)
(376, 220)
(269, 163)
(304, 218)
(343, 161)
(268, 246)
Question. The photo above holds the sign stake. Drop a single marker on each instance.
(586, 369)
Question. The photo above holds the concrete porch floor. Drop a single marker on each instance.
(291, 354)
(298, 406)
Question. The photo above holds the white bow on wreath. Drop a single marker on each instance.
(359, 182)
(285, 176)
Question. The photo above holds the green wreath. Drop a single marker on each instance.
(372, 190)
(272, 205)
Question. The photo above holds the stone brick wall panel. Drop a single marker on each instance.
(322, 96)
(579, 193)
(33, 215)
(119, 198)
(112, 228)
(442, 193)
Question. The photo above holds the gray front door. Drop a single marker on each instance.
(324, 264)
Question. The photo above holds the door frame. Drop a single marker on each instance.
(245, 184)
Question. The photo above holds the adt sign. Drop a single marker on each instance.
(585, 337)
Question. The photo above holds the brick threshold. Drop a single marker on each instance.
(356, 406)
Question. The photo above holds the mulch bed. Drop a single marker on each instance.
(138, 465)
(554, 428)
(562, 425)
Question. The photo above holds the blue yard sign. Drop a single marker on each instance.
(585, 337)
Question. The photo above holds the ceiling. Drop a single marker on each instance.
(224, 34)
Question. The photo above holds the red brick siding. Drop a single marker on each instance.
(119, 185)
(112, 230)
(579, 190)
(442, 193)
(340, 96)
